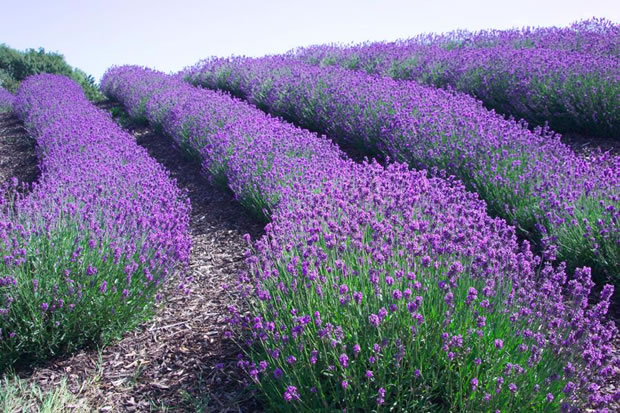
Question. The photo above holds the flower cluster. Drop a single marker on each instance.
(546, 76)
(568, 206)
(86, 249)
(6, 100)
(378, 287)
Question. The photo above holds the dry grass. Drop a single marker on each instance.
(19, 395)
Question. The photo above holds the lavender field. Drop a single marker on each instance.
(427, 240)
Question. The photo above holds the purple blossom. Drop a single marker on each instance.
(381, 397)
(291, 394)
(6, 100)
(474, 384)
(397, 294)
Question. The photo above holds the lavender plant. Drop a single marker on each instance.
(378, 288)
(567, 205)
(6, 100)
(86, 250)
(568, 79)
(595, 36)
(255, 155)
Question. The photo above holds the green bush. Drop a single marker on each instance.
(17, 65)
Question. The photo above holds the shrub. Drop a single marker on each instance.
(15, 66)
(87, 249)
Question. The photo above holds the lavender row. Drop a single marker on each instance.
(6, 100)
(260, 158)
(567, 205)
(375, 286)
(596, 36)
(571, 91)
(88, 247)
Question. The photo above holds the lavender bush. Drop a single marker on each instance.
(567, 205)
(258, 157)
(595, 36)
(86, 250)
(378, 288)
(568, 87)
(6, 100)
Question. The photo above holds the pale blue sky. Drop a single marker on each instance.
(169, 35)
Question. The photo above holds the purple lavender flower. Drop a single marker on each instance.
(91, 270)
(397, 294)
(291, 394)
(474, 384)
(381, 397)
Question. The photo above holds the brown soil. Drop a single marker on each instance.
(17, 151)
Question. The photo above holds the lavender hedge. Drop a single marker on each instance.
(573, 92)
(6, 100)
(595, 36)
(378, 288)
(87, 249)
(567, 205)
(257, 156)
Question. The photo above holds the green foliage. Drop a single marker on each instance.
(17, 65)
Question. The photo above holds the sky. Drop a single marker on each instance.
(169, 35)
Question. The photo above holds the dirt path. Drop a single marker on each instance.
(585, 146)
(179, 361)
(17, 153)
